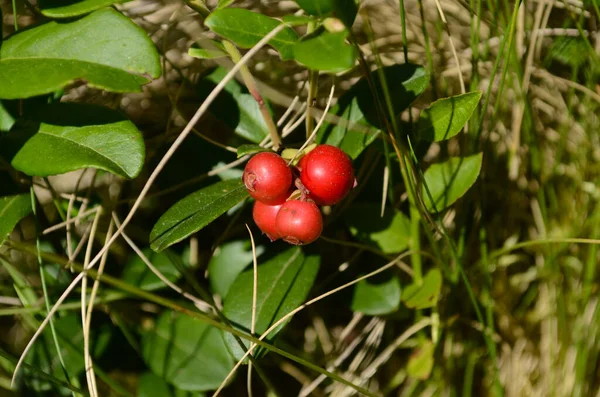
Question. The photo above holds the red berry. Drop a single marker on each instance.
(302, 162)
(268, 178)
(264, 216)
(299, 222)
(327, 174)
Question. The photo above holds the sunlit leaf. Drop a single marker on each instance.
(450, 180)
(446, 117)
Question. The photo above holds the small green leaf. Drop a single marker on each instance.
(72, 8)
(377, 297)
(425, 294)
(327, 52)
(151, 385)
(212, 50)
(228, 262)
(345, 10)
(105, 49)
(195, 211)
(246, 28)
(186, 352)
(137, 273)
(446, 117)
(389, 234)
(224, 3)
(283, 284)
(450, 180)
(12, 210)
(358, 105)
(235, 107)
(420, 362)
(296, 20)
(62, 137)
(6, 119)
(244, 150)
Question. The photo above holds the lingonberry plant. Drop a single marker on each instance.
(191, 186)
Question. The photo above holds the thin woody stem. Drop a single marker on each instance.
(253, 89)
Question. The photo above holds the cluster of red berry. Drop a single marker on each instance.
(323, 176)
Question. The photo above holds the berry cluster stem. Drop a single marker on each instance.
(313, 77)
(250, 82)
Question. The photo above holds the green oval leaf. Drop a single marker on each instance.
(450, 180)
(420, 362)
(345, 10)
(376, 297)
(72, 8)
(228, 262)
(105, 49)
(186, 352)
(246, 28)
(235, 107)
(195, 211)
(151, 385)
(446, 117)
(425, 294)
(389, 234)
(327, 52)
(211, 49)
(405, 82)
(12, 210)
(137, 273)
(283, 284)
(58, 138)
(243, 150)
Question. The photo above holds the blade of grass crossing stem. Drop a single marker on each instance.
(427, 50)
(489, 308)
(254, 298)
(488, 94)
(23, 247)
(45, 287)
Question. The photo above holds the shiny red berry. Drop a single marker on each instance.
(299, 222)
(268, 178)
(302, 162)
(264, 216)
(327, 174)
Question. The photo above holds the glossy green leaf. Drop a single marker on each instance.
(425, 294)
(6, 119)
(377, 297)
(283, 284)
(345, 10)
(389, 234)
(12, 210)
(446, 117)
(224, 3)
(186, 352)
(420, 362)
(228, 261)
(296, 20)
(137, 273)
(195, 211)
(244, 150)
(450, 180)
(405, 82)
(105, 49)
(72, 8)
(212, 49)
(58, 138)
(70, 339)
(246, 28)
(235, 107)
(151, 385)
(326, 52)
